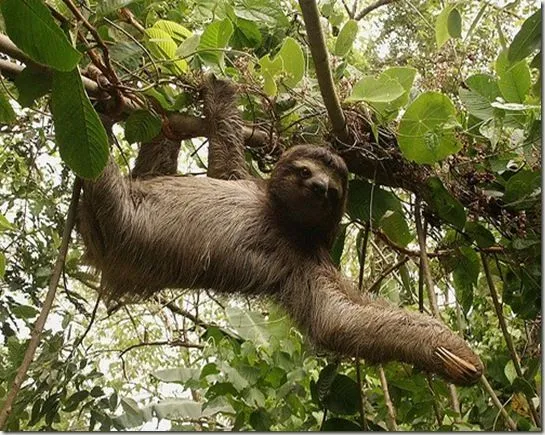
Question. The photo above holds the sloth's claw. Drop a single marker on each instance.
(456, 367)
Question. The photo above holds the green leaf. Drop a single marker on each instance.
(269, 69)
(454, 23)
(188, 47)
(522, 185)
(176, 409)
(176, 31)
(522, 385)
(31, 27)
(179, 374)
(528, 38)
(346, 38)
(162, 46)
(215, 38)
(246, 34)
(260, 420)
(365, 201)
(7, 114)
(483, 237)
(381, 90)
(265, 12)
(75, 399)
(395, 226)
(426, 129)
(105, 7)
(510, 371)
(32, 84)
(142, 126)
(442, 26)
(447, 207)
(253, 326)
(293, 61)
(5, 224)
(218, 405)
(340, 424)
(483, 91)
(24, 311)
(344, 396)
(405, 77)
(325, 380)
(465, 276)
(80, 136)
(514, 79)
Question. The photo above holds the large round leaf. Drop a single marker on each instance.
(426, 129)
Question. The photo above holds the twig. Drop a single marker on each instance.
(375, 287)
(178, 343)
(438, 253)
(498, 404)
(391, 420)
(111, 73)
(48, 302)
(80, 339)
(436, 409)
(318, 50)
(348, 10)
(371, 8)
(431, 289)
(508, 339)
(363, 253)
(361, 403)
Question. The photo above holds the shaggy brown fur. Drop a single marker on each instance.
(257, 238)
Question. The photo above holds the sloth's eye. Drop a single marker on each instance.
(305, 172)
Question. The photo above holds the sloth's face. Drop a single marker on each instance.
(310, 189)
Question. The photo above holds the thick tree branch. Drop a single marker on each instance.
(48, 302)
(318, 50)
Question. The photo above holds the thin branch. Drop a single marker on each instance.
(512, 425)
(363, 253)
(174, 343)
(425, 261)
(391, 420)
(318, 50)
(48, 302)
(508, 339)
(431, 289)
(376, 285)
(348, 10)
(106, 54)
(361, 402)
(367, 10)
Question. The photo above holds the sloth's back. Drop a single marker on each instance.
(193, 232)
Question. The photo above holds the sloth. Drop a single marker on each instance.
(232, 233)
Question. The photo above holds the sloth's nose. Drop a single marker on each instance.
(319, 187)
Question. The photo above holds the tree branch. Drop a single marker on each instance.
(371, 8)
(508, 339)
(431, 290)
(318, 50)
(48, 302)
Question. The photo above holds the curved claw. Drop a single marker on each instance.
(458, 369)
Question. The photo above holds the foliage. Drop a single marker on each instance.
(443, 97)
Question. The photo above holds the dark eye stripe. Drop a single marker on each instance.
(305, 172)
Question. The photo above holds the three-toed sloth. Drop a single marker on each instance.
(234, 234)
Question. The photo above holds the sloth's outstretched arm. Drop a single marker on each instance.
(226, 147)
(342, 320)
